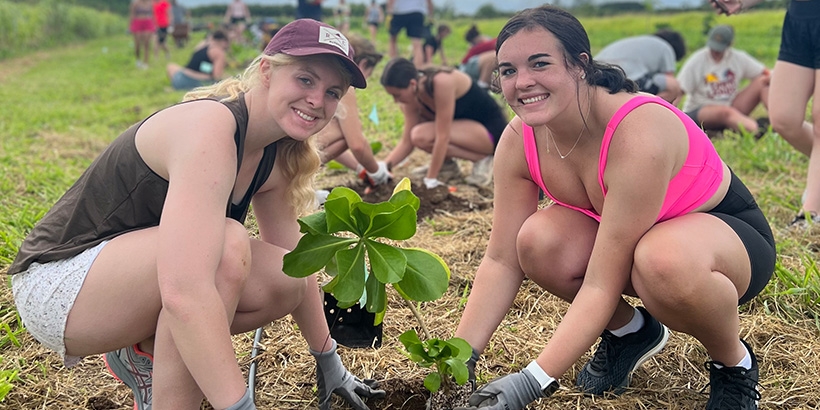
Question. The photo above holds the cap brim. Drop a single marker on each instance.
(714, 45)
(358, 79)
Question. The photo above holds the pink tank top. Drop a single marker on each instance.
(696, 182)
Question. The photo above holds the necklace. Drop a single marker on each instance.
(558, 150)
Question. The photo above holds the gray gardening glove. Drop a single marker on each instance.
(511, 392)
(332, 377)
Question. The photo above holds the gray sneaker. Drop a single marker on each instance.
(134, 368)
(449, 170)
(804, 220)
(611, 367)
(482, 174)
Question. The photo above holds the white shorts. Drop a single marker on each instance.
(45, 294)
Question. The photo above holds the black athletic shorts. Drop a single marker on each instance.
(412, 22)
(800, 39)
(740, 211)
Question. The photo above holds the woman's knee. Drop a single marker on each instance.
(422, 137)
(660, 268)
(235, 264)
(786, 122)
(540, 245)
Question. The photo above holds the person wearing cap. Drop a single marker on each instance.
(146, 258)
(794, 82)
(649, 60)
(710, 78)
(342, 140)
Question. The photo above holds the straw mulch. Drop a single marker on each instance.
(789, 352)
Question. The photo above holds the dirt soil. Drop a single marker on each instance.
(457, 228)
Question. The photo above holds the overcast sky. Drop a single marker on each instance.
(461, 6)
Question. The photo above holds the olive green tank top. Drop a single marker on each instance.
(119, 193)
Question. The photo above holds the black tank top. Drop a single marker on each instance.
(119, 193)
(201, 62)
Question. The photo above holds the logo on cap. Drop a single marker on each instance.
(333, 37)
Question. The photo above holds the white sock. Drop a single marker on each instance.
(633, 326)
(745, 362)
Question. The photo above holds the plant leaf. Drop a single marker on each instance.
(432, 382)
(426, 277)
(338, 216)
(387, 263)
(403, 185)
(350, 285)
(312, 253)
(364, 212)
(461, 348)
(315, 224)
(409, 338)
(405, 197)
(376, 297)
(397, 225)
(459, 370)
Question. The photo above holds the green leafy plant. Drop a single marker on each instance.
(448, 356)
(416, 274)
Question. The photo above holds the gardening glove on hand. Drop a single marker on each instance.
(511, 392)
(332, 377)
(431, 183)
(381, 176)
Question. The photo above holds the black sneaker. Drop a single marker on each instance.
(611, 367)
(733, 388)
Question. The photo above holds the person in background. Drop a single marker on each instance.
(643, 205)
(162, 16)
(794, 82)
(141, 13)
(711, 78)
(433, 44)
(375, 18)
(447, 115)
(479, 62)
(341, 16)
(180, 26)
(238, 16)
(408, 15)
(342, 139)
(309, 9)
(207, 64)
(146, 258)
(649, 60)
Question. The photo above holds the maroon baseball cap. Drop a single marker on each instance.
(307, 37)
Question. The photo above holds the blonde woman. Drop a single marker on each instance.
(146, 256)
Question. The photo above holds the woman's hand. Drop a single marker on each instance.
(332, 377)
(511, 392)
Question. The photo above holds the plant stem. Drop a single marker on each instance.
(416, 313)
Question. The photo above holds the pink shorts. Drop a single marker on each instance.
(142, 25)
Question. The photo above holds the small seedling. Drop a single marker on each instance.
(448, 356)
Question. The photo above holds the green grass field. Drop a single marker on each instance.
(62, 106)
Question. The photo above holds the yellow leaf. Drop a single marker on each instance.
(403, 185)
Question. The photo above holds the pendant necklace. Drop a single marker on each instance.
(558, 150)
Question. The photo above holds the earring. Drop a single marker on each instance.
(583, 76)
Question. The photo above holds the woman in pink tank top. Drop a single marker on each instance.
(642, 206)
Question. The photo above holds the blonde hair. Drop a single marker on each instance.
(299, 159)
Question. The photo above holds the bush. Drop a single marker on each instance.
(28, 27)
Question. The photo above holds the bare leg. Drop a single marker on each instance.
(789, 93)
(468, 139)
(690, 272)
(722, 117)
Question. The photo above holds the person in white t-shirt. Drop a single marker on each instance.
(711, 78)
